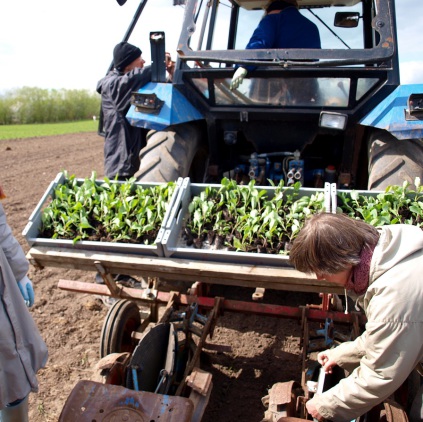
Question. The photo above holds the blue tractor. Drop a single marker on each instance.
(337, 113)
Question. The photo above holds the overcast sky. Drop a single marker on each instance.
(69, 44)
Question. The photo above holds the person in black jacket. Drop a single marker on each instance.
(123, 142)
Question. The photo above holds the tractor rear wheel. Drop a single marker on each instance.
(393, 161)
(172, 153)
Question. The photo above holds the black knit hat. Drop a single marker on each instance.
(280, 5)
(124, 54)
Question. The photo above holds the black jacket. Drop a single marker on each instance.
(123, 142)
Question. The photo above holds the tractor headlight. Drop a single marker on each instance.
(333, 120)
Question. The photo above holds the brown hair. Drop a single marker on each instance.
(330, 243)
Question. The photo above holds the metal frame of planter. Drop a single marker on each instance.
(200, 268)
(167, 259)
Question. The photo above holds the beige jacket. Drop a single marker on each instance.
(22, 350)
(392, 344)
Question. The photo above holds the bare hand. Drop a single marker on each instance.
(312, 409)
(326, 362)
(170, 64)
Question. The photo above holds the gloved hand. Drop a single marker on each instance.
(238, 77)
(25, 286)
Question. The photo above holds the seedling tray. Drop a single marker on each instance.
(175, 246)
(32, 230)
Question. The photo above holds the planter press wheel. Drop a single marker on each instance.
(388, 411)
(122, 319)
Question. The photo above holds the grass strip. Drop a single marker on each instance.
(46, 129)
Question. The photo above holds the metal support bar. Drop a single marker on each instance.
(255, 308)
(242, 275)
(207, 329)
(326, 300)
(108, 279)
(304, 342)
(158, 67)
(173, 298)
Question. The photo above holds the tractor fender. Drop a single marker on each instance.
(392, 114)
(172, 107)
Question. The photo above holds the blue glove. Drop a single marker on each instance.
(25, 286)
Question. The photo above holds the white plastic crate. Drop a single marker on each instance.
(32, 229)
(174, 246)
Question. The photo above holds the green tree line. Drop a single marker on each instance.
(35, 105)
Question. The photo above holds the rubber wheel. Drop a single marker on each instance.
(172, 153)
(121, 321)
(393, 161)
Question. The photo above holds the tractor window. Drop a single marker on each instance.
(364, 85)
(335, 37)
(247, 22)
(339, 38)
(207, 38)
(287, 92)
(209, 41)
(221, 29)
(331, 37)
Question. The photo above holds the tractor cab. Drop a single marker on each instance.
(309, 104)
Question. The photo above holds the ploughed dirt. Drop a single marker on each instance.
(246, 356)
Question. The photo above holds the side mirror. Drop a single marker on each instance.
(347, 19)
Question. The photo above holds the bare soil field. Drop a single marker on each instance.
(246, 355)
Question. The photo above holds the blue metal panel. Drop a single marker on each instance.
(390, 114)
(176, 108)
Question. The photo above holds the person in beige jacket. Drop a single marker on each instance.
(383, 269)
(22, 350)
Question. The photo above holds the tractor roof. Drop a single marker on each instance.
(261, 4)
